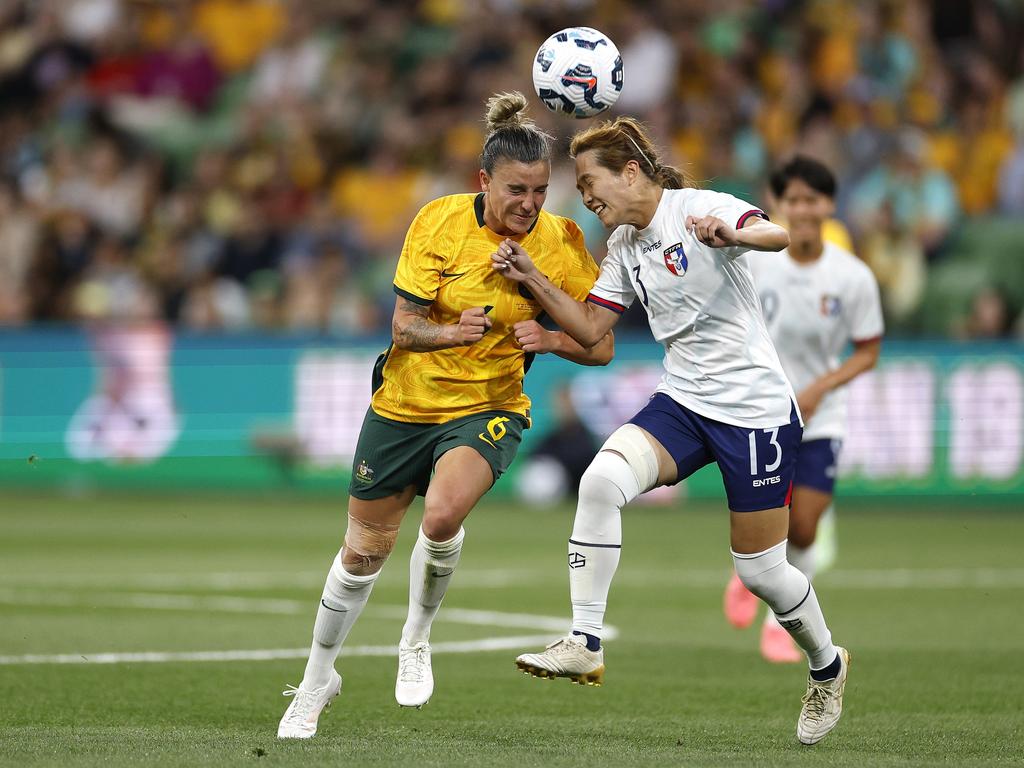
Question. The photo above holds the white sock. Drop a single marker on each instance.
(790, 595)
(430, 569)
(596, 542)
(342, 601)
(804, 559)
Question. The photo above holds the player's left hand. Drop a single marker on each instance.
(809, 400)
(533, 337)
(711, 231)
(512, 260)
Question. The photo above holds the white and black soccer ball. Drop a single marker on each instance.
(578, 72)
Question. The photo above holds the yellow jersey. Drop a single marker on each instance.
(446, 265)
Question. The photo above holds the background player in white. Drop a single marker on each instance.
(723, 397)
(817, 298)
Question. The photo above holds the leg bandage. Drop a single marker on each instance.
(368, 544)
(341, 602)
(430, 569)
(631, 442)
(789, 594)
(612, 480)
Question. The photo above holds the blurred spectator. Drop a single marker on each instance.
(897, 258)
(990, 316)
(18, 235)
(558, 460)
(920, 200)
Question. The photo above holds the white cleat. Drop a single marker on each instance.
(415, 681)
(299, 721)
(566, 657)
(823, 704)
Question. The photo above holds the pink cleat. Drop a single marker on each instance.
(740, 604)
(777, 646)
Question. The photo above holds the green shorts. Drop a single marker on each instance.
(392, 455)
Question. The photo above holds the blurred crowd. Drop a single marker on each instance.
(232, 164)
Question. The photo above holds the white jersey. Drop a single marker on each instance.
(813, 311)
(702, 307)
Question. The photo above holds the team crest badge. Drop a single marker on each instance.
(364, 473)
(675, 260)
(831, 306)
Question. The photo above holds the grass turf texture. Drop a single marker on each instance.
(926, 597)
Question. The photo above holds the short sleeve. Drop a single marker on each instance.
(735, 212)
(865, 309)
(418, 275)
(581, 271)
(613, 290)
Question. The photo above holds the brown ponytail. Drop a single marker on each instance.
(625, 139)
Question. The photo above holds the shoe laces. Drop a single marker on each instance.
(303, 705)
(816, 698)
(412, 663)
(564, 646)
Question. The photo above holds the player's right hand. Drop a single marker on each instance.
(473, 324)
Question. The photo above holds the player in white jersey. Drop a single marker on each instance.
(817, 298)
(682, 253)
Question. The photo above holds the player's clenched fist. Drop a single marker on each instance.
(712, 231)
(473, 324)
(532, 337)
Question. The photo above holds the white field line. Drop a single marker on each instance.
(550, 624)
(867, 578)
(465, 646)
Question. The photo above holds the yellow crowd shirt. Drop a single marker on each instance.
(446, 265)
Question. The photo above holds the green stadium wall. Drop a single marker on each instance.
(139, 409)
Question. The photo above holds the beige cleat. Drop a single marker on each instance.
(823, 704)
(300, 719)
(566, 657)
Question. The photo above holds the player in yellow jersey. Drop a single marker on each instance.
(448, 407)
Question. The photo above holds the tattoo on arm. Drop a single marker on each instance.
(417, 334)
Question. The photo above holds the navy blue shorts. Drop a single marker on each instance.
(816, 464)
(757, 465)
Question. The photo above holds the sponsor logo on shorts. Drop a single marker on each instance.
(577, 560)
(364, 473)
(761, 482)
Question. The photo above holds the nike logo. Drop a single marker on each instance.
(336, 610)
(590, 82)
(483, 437)
(451, 274)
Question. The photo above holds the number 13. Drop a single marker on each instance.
(773, 440)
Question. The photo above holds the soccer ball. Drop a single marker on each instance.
(578, 71)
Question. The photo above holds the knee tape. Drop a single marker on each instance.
(630, 442)
(368, 544)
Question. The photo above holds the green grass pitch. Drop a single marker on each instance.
(927, 596)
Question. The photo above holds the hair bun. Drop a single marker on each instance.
(505, 110)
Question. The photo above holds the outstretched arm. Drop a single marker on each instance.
(586, 323)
